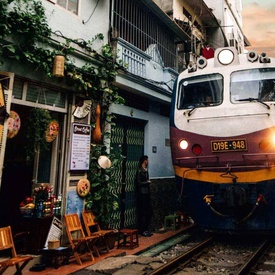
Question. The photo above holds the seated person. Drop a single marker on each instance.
(208, 100)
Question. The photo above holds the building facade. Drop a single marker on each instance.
(154, 41)
(229, 14)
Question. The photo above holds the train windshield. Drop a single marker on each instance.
(253, 85)
(200, 91)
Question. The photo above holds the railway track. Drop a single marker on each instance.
(213, 256)
(195, 253)
(266, 264)
(182, 259)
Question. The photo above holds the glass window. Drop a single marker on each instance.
(18, 89)
(200, 91)
(46, 96)
(71, 5)
(253, 85)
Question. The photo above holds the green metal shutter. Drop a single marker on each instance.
(128, 134)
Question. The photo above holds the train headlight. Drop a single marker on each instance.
(196, 149)
(266, 145)
(183, 144)
(226, 57)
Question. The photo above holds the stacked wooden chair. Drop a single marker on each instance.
(82, 246)
(93, 228)
(7, 244)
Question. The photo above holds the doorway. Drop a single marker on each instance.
(19, 174)
(128, 135)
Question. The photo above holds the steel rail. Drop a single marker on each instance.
(171, 265)
(253, 259)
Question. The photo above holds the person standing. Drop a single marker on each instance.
(144, 209)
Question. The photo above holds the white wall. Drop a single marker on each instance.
(71, 25)
(157, 130)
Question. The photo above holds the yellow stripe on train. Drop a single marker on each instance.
(222, 177)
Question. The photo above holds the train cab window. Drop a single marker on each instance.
(200, 91)
(253, 85)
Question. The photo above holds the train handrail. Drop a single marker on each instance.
(226, 168)
(198, 162)
(223, 117)
(258, 155)
(197, 158)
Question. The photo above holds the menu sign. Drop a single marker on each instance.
(55, 231)
(80, 146)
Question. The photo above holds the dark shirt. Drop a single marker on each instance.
(142, 183)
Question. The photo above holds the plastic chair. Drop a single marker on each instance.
(81, 245)
(6, 243)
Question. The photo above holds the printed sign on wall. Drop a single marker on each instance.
(80, 146)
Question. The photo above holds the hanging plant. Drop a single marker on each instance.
(103, 198)
(38, 122)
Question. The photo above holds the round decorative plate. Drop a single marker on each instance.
(83, 187)
(52, 131)
(14, 124)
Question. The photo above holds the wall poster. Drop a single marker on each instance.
(80, 146)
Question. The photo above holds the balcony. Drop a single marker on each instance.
(148, 66)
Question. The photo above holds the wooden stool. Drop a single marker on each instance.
(132, 234)
(172, 222)
(54, 256)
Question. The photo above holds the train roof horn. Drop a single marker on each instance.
(264, 58)
(252, 56)
(201, 62)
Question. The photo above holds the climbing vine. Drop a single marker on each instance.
(27, 38)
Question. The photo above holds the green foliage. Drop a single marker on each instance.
(24, 25)
(103, 198)
(38, 121)
(27, 18)
(25, 37)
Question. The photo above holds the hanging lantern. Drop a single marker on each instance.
(97, 131)
(58, 65)
(104, 162)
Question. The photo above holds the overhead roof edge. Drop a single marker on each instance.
(199, 7)
(168, 21)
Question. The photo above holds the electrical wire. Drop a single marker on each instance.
(84, 22)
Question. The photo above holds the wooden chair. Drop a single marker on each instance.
(6, 243)
(93, 227)
(82, 245)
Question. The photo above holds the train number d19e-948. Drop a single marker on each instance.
(229, 145)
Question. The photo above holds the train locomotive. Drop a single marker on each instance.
(222, 134)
